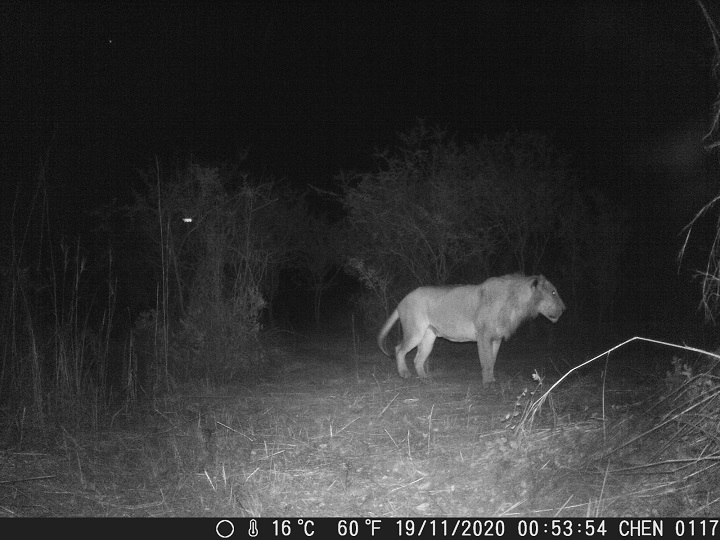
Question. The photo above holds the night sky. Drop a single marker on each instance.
(312, 88)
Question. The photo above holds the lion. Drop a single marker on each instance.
(485, 313)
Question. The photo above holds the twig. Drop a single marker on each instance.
(346, 425)
(27, 479)
(386, 406)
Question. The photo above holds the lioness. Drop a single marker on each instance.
(486, 313)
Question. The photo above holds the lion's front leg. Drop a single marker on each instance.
(487, 351)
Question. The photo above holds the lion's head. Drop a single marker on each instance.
(547, 299)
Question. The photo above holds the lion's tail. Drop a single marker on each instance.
(385, 330)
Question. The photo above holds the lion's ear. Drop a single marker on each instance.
(535, 282)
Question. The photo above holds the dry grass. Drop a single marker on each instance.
(335, 432)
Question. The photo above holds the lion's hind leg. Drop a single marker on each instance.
(412, 337)
(424, 350)
(402, 368)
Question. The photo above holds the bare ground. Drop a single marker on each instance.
(333, 431)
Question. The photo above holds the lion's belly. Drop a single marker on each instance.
(456, 330)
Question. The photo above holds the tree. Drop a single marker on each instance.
(435, 212)
(219, 235)
(317, 256)
(528, 186)
(410, 219)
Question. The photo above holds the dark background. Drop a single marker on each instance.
(312, 88)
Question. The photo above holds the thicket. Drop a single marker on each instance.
(435, 212)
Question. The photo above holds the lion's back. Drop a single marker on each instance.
(450, 310)
(496, 307)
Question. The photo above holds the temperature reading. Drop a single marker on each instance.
(347, 528)
(351, 527)
(284, 527)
